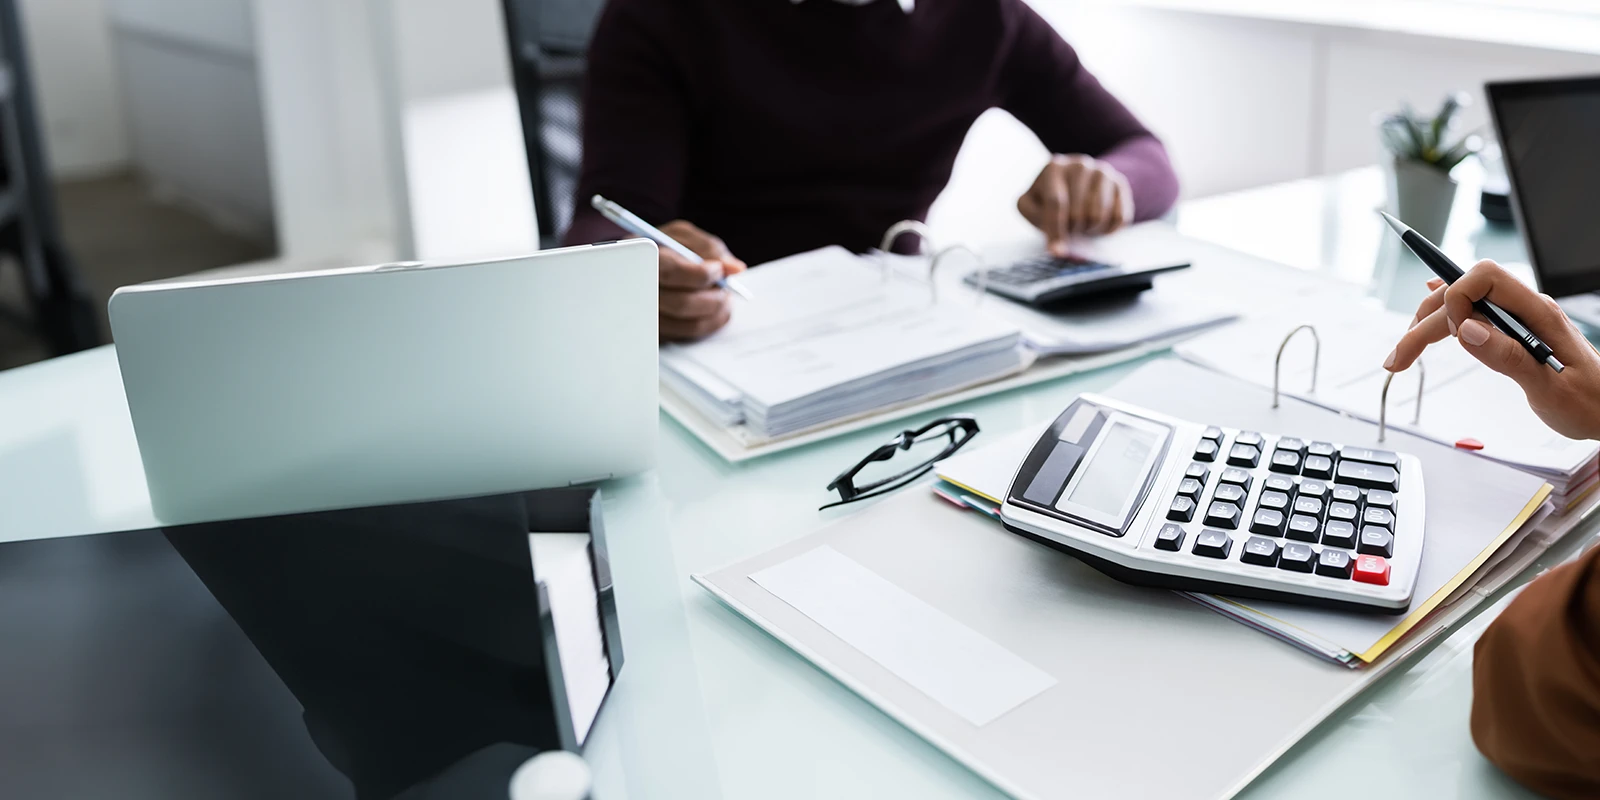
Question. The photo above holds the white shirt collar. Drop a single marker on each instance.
(905, 5)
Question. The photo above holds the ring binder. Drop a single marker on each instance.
(1383, 401)
(922, 231)
(1316, 360)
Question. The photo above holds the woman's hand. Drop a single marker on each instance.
(1568, 401)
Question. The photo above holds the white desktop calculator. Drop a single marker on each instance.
(1158, 501)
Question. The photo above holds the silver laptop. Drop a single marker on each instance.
(401, 382)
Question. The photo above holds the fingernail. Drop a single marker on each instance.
(1451, 324)
(714, 269)
(1058, 249)
(1389, 362)
(1474, 332)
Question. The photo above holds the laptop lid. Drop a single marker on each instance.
(372, 385)
(1548, 131)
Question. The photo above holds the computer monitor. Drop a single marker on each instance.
(1550, 133)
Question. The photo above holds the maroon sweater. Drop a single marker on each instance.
(782, 127)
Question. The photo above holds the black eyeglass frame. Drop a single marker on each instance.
(959, 428)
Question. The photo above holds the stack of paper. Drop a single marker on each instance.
(831, 335)
(1464, 403)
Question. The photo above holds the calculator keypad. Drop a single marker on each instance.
(1320, 509)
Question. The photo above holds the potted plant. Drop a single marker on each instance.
(1424, 151)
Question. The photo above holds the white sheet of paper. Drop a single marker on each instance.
(961, 669)
(1463, 399)
(827, 318)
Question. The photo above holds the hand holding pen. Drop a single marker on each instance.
(694, 269)
(1568, 401)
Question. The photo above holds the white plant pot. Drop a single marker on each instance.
(1421, 197)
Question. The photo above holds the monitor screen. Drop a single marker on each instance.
(1550, 132)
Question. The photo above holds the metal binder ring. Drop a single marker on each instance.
(933, 270)
(1316, 360)
(1383, 401)
(896, 231)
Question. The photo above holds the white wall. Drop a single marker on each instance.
(193, 106)
(210, 24)
(69, 43)
(1239, 101)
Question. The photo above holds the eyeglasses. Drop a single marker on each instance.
(958, 430)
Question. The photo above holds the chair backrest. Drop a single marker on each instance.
(549, 40)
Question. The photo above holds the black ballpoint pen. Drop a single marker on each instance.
(1447, 271)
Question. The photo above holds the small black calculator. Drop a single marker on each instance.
(1048, 280)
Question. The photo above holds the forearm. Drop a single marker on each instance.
(1143, 160)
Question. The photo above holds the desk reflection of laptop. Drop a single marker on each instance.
(387, 653)
(1549, 130)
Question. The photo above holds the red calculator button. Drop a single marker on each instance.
(1372, 569)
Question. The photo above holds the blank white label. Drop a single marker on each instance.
(961, 669)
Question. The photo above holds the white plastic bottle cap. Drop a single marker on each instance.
(556, 775)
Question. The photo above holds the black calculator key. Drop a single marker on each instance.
(1205, 451)
(1339, 534)
(1321, 449)
(1229, 493)
(1250, 438)
(1291, 443)
(1285, 461)
(1335, 564)
(1213, 433)
(1244, 455)
(1319, 467)
(1276, 501)
(1263, 552)
(1316, 489)
(1304, 528)
(1346, 494)
(1182, 509)
(1212, 544)
(1297, 557)
(1343, 512)
(1170, 537)
(1368, 476)
(1309, 506)
(1190, 488)
(1278, 483)
(1237, 477)
(1376, 542)
(1381, 499)
(1380, 517)
(1198, 472)
(1267, 522)
(1362, 454)
(1222, 515)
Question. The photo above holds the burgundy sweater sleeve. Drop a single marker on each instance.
(1046, 87)
(636, 122)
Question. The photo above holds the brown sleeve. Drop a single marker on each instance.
(1536, 684)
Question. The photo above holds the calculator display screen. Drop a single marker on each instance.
(1117, 469)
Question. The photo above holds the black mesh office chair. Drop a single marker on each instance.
(30, 236)
(549, 40)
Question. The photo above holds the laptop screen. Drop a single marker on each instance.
(1550, 132)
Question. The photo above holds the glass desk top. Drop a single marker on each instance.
(708, 706)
